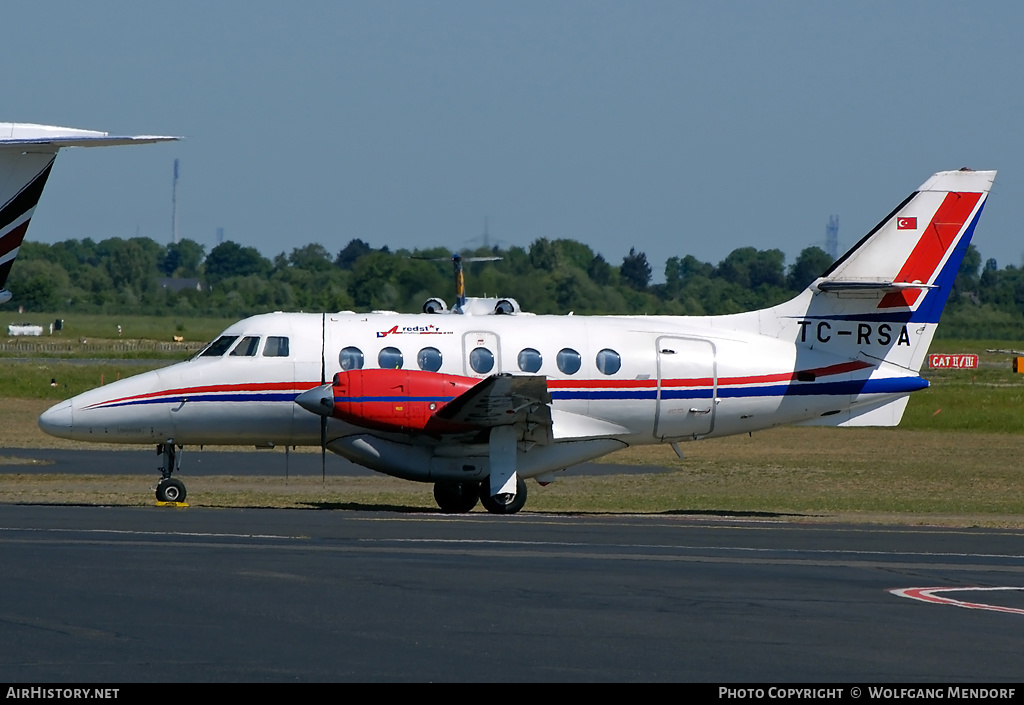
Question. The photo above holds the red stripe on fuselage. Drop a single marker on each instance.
(264, 387)
(556, 384)
(935, 241)
(837, 369)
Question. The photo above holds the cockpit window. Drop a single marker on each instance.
(276, 346)
(219, 346)
(246, 348)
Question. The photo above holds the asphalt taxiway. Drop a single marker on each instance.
(181, 595)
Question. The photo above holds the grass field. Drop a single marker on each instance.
(101, 326)
(956, 460)
(32, 380)
(793, 474)
(96, 336)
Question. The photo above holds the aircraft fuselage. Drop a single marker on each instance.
(634, 380)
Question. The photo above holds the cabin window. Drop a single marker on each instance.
(276, 346)
(608, 362)
(429, 359)
(481, 360)
(390, 359)
(530, 360)
(246, 348)
(568, 361)
(219, 346)
(351, 359)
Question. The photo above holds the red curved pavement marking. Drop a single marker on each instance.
(929, 595)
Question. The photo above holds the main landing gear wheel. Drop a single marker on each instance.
(503, 503)
(170, 490)
(456, 497)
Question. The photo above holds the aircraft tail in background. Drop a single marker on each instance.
(27, 153)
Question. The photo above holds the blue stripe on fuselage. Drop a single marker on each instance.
(890, 385)
(277, 396)
(366, 400)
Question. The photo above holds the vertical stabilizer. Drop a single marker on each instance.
(27, 153)
(882, 300)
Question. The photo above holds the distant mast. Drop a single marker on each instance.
(832, 237)
(174, 204)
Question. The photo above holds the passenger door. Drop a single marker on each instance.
(687, 387)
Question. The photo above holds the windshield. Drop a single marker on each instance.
(218, 347)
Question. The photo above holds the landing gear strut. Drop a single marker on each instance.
(456, 497)
(169, 489)
(503, 503)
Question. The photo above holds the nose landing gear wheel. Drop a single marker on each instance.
(503, 503)
(170, 490)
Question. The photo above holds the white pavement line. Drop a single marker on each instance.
(149, 533)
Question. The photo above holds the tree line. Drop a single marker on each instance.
(139, 275)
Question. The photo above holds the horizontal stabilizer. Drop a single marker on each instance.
(883, 286)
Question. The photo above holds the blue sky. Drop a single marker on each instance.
(676, 128)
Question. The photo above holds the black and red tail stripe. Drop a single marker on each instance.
(12, 212)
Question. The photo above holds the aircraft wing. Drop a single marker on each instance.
(414, 401)
(23, 134)
(504, 400)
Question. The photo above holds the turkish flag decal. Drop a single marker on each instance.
(906, 223)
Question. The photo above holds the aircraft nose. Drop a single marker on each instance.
(57, 420)
(319, 400)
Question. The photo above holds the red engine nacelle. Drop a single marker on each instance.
(397, 400)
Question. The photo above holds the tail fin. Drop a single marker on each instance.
(883, 298)
(27, 153)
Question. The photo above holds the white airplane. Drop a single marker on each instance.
(27, 153)
(477, 403)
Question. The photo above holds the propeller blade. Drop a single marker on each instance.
(323, 450)
(323, 381)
